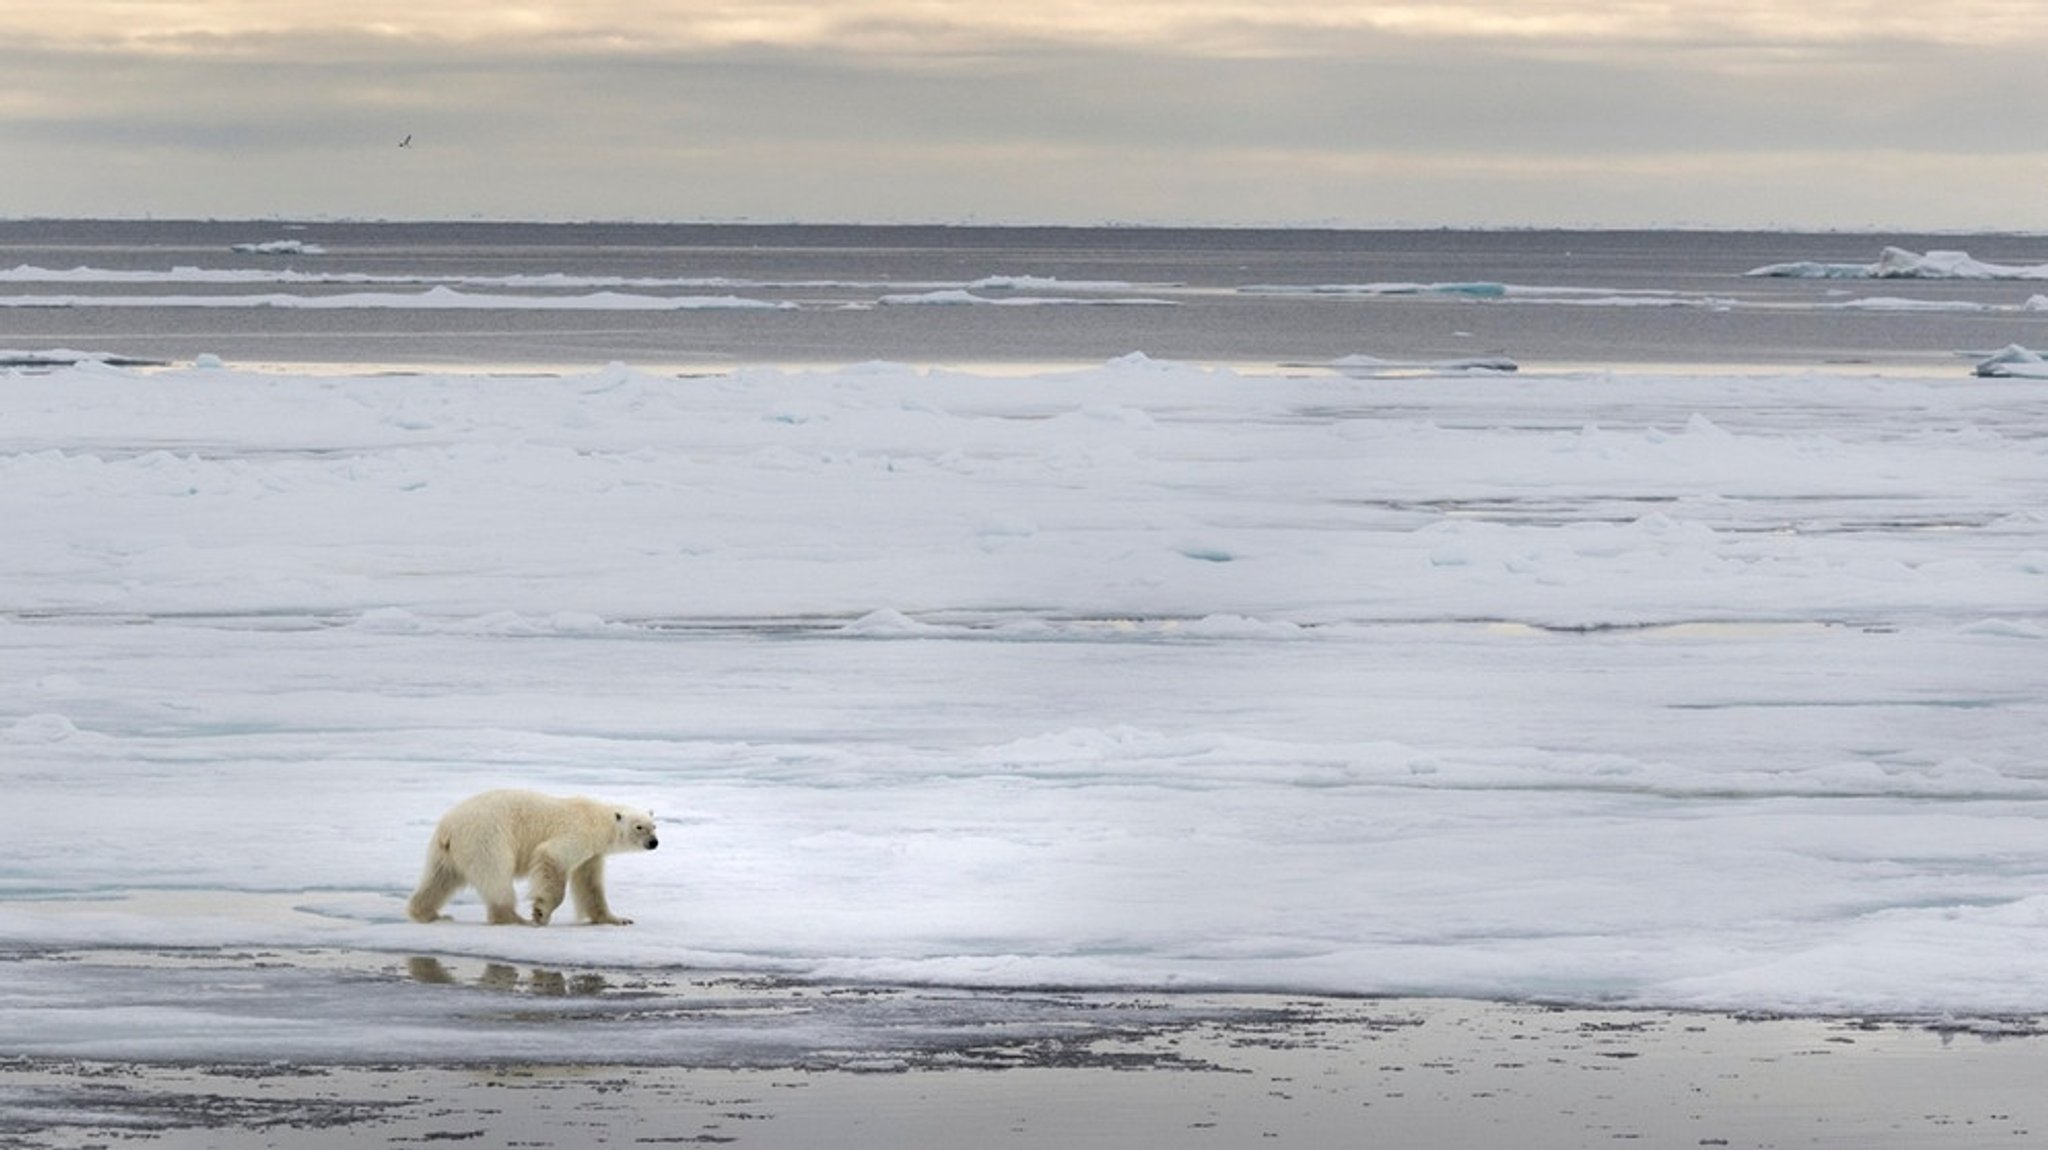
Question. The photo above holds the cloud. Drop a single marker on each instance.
(1218, 111)
(1199, 27)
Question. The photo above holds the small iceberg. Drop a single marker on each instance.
(2015, 362)
(1047, 283)
(1900, 264)
(1467, 290)
(955, 297)
(280, 248)
(888, 623)
(1366, 366)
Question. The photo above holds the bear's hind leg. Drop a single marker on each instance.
(437, 885)
(586, 884)
(550, 880)
(501, 901)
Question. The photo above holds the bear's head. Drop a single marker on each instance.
(634, 829)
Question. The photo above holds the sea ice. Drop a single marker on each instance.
(1674, 689)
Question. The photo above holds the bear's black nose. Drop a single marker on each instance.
(652, 843)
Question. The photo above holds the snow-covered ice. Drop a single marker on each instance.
(1696, 690)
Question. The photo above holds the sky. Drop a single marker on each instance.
(1885, 114)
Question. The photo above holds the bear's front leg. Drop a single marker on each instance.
(586, 885)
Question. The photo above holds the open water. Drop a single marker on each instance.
(438, 295)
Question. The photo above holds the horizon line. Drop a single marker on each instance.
(972, 224)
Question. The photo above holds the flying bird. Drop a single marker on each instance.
(407, 142)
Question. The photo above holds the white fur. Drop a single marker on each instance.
(491, 839)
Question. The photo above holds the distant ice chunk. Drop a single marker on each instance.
(1901, 264)
(888, 623)
(1469, 290)
(1372, 365)
(280, 248)
(957, 297)
(1047, 283)
(944, 296)
(2015, 362)
(1898, 303)
(66, 357)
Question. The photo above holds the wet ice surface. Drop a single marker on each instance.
(235, 1006)
(1080, 1070)
(1652, 689)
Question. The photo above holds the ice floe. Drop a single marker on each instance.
(67, 357)
(280, 248)
(1899, 263)
(2014, 361)
(437, 298)
(948, 297)
(1473, 290)
(1371, 365)
(1660, 688)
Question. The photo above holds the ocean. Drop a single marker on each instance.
(692, 297)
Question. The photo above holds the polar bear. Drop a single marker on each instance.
(490, 839)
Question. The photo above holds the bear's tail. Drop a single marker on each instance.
(437, 885)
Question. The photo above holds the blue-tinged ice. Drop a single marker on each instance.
(2014, 362)
(1900, 263)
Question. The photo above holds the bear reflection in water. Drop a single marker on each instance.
(503, 977)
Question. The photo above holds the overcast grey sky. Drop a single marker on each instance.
(1824, 113)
